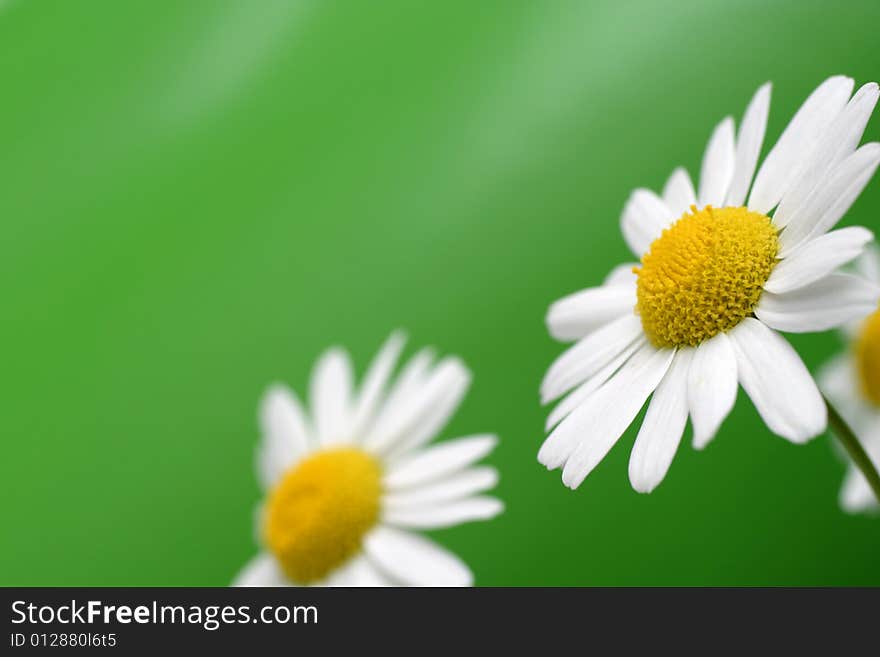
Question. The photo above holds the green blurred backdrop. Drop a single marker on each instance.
(197, 198)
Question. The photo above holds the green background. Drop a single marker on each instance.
(197, 198)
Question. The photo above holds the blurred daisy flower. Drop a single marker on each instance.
(347, 484)
(723, 267)
(852, 382)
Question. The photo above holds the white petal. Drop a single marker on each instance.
(574, 316)
(839, 382)
(435, 416)
(360, 572)
(622, 275)
(557, 447)
(856, 495)
(832, 198)
(827, 303)
(589, 355)
(584, 437)
(426, 411)
(712, 386)
(367, 404)
(799, 138)
(777, 381)
(748, 146)
(837, 378)
(330, 394)
(818, 258)
(262, 570)
(285, 436)
(451, 488)
(868, 266)
(438, 461)
(837, 144)
(850, 330)
(580, 394)
(444, 515)
(410, 380)
(415, 560)
(678, 193)
(718, 162)
(661, 430)
(644, 217)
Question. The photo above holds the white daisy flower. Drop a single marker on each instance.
(719, 275)
(852, 382)
(347, 486)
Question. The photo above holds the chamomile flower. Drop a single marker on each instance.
(349, 484)
(852, 382)
(723, 268)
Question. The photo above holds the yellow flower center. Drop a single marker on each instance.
(704, 274)
(320, 511)
(868, 358)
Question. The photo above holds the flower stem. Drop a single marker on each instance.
(853, 447)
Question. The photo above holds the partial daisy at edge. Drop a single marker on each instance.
(723, 268)
(350, 482)
(851, 380)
